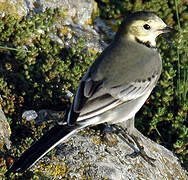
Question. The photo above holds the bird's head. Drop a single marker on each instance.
(144, 27)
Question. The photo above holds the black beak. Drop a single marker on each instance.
(168, 30)
(165, 33)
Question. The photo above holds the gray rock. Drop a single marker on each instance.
(91, 154)
(5, 131)
(29, 115)
(86, 156)
(79, 11)
(76, 20)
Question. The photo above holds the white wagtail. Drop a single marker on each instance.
(114, 88)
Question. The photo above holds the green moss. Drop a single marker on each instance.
(36, 72)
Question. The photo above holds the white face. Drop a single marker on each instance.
(146, 31)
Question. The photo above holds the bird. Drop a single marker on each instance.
(113, 89)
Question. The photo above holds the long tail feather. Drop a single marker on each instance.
(47, 142)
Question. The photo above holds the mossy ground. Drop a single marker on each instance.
(40, 71)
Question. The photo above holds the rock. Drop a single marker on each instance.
(86, 156)
(5, 131)
(76, 21)
(29, 115)
(97, 155)
(79, 11)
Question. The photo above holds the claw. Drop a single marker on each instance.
(130, 139)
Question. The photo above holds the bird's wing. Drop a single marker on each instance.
(131, 90)
(93, 98)
(85, 90)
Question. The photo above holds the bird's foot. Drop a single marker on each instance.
(130, 140)
(141, 151)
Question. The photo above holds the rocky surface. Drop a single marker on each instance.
(86, 155)
(5, 131)
(79, 11)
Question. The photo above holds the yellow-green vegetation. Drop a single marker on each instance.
(36, 72)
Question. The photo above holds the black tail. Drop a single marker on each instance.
(47, 142)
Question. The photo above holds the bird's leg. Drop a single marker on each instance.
(142, 152)
(130, 140)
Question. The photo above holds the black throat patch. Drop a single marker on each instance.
(147, 43)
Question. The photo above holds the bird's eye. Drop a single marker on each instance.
(146, 26)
